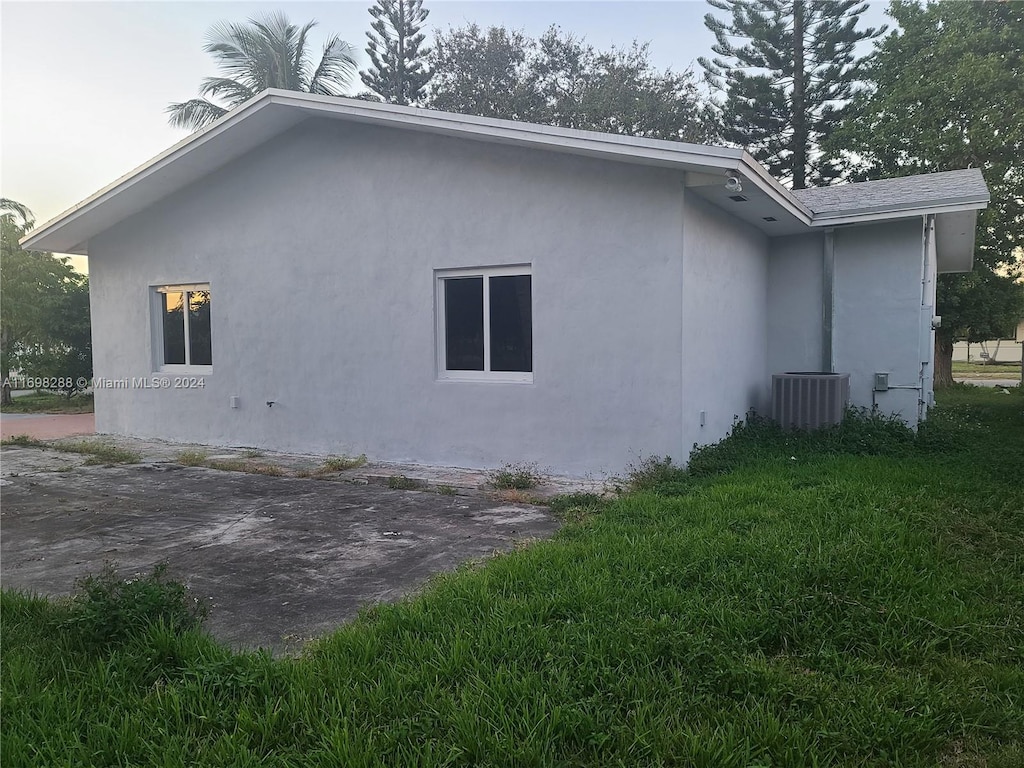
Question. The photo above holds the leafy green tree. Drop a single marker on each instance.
(39, 296)
(616, 91)
(787, 83)
(947, 92)
(560, 80)
(65, 351)
(267, 52)
(399, 73)
(482, 73)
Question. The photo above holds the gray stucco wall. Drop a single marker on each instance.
(725, 300)
(320, 250)
(795, 303)
(878, 312)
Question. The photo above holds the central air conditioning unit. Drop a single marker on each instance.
(809, 400)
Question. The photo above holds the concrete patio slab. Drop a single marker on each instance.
(282, 559)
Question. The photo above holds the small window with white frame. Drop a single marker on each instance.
(183, 328)
(485, 324)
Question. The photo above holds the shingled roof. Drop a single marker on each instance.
(923, 190)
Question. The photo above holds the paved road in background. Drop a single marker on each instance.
(46, 426)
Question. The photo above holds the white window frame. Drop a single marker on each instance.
(443, 374)
(156, 301)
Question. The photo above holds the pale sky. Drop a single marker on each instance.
(84, 85)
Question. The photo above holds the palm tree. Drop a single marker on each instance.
(267, 52)
(11, 211)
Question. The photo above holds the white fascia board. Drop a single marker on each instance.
(290, 107)
(630, 149)
(770, 185)
(144, 171)
(511, 131)
(864, 217)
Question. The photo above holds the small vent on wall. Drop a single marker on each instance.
(809, 400)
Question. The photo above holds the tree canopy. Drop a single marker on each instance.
(787, 83)
(265, 52)
(44, 308)
(561, 80)
(946, 92)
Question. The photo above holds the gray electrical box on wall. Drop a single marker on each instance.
(881, 382)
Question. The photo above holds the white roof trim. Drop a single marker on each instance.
(144, 171)
(874, 214)
(274, 111)
(54, 234)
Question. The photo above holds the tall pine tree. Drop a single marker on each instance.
(787, 84)
(399, 72)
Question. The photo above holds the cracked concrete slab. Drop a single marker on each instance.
(282, 559)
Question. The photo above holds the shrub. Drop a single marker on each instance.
(107, 610)
(863, 432)
(652, 472)
(520, 477)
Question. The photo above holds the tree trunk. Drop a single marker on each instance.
(5, 370)
(799, 110)
(943, 362)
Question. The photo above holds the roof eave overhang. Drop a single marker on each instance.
(864, 216)
(46, 237)
(778, 193)
(71, 231)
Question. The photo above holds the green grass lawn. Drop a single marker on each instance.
(852, 599)
(49, 402)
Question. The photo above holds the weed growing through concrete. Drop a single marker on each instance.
(100, 452)
(341, 463)
(191, 458)
(24, 441)
(521, 476)
(244, 465)
(403, 483)
(97, 451)
(514, 496)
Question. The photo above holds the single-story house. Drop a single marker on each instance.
(330, 275)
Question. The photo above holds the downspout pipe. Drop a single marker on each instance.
(828, 297)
